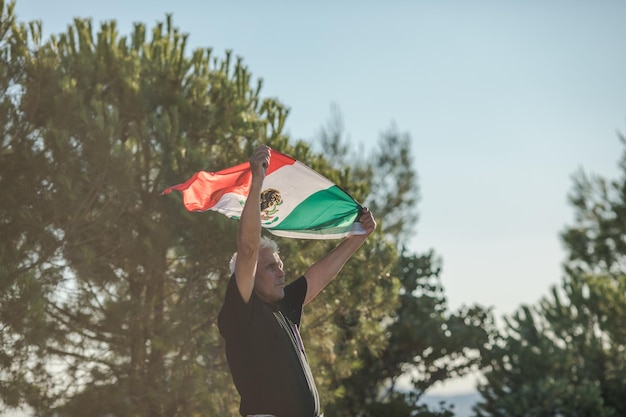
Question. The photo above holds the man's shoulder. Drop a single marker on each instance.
(297, 285)
(233, 306)
(292, 304)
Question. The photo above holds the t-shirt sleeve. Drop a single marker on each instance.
(235, 313)
(291, 305)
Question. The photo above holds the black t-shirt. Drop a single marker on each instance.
(265, 353)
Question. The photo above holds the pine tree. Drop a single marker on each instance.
(565, 356)
(110, 291)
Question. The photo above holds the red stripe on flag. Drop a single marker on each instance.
(205, 189)
(278, 160)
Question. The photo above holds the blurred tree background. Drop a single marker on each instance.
(566, 356)
(109, 291)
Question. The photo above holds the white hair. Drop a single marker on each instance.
(264, 243)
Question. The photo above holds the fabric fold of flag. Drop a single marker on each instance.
(296, 201)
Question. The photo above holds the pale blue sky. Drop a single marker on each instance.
(504, 101)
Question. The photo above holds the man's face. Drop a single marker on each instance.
(269, 282)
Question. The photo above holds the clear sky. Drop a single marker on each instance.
(504, 101)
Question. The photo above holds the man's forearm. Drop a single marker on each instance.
(249, 233)
(326, 269)
(333, 261)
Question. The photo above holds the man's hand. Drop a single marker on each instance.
(367, 221)
(259, 161)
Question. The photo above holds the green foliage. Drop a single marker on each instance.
(565, 356)
(110, 291)
(426, 344)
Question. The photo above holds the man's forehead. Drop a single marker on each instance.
(268, 255)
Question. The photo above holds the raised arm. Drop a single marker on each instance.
(326, 269)
(249, 233)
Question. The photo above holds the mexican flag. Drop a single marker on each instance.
(295, 202)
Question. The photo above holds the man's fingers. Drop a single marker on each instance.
(367, 220)
(261, 158)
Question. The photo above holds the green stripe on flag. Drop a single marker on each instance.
(329, 208)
